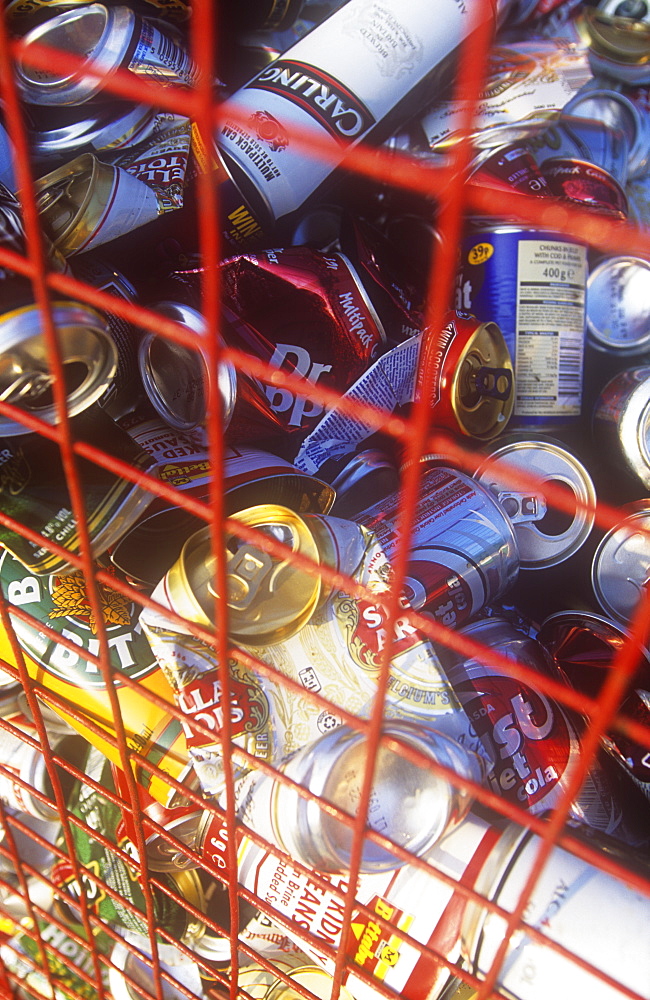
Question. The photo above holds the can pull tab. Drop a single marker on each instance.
(493, 382)
(248, 569)
(522, 507)
(26, 385)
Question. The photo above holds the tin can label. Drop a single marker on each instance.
(534, 288)
(336, 655)
(462, 549)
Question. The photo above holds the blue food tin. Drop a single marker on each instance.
(532, 284)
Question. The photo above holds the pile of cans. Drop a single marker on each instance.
(326, 497)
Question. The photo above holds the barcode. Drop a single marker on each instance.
(570, 367)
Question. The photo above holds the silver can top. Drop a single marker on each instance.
(617, 306)
(620, 571)
(100, 35)
(176, 378)
(546, 535)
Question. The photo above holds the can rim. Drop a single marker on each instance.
(108, 51)
(84, 336)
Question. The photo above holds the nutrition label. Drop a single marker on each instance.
(549, 355)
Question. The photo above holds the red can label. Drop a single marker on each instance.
(527, 737)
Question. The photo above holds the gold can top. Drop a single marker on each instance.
(268, 598)
(623, 39)
(482, 391)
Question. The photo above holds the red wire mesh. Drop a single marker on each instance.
(51, 951)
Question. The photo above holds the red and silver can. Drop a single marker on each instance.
(586, 185)
(301, 311)
(463, 552)
(585, 647)
(532, 740)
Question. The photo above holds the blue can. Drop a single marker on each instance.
(532, 284)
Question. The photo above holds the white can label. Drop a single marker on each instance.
(549, 354)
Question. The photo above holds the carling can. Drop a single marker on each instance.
(598, 918)
(107, 38)
(533, 741)
(463, 553)
(532, 284)
(367, 67)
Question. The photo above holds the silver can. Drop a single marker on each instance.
(413, 804)
(546, 535)
(621, 564)
(621, 422)
(177, 378)
(108, 39)
(617, 308)
(88, 355)
(463, 552)
(617, 111)
(598, 917)
(86, 203)
(103, 129)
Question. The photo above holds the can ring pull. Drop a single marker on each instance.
(487, 381)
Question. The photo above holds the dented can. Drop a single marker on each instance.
(533, 741)
(86, 203)
(299, 310)
(586, 185)
(463, 553)
(621, 422)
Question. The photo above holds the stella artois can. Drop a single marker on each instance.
(328, 642)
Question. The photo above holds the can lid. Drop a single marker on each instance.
(176, 378)
(101, 128)
(268, 599)
(549, 535)
(621, 39)
(482, 391)
(617, 310)
(620, 570)
(72, 199)
(98, 34)
(88, 354)
(631, 391)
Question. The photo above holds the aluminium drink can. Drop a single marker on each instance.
(598, 917)
(107, 38)
(463, 553)
(366, 67)
(621, 423)
(532, 284)
(532, 739)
